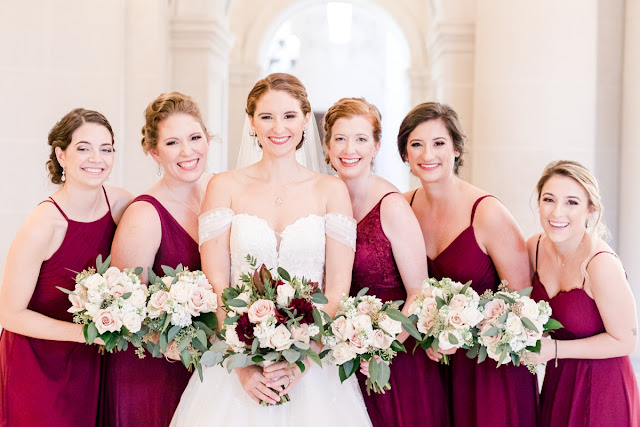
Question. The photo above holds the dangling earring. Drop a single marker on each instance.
(63, 178)
(159, 169)
(304, 135)
(589, 226)
(254, 135)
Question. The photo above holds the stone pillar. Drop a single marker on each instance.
(629, 225)
(200, 44)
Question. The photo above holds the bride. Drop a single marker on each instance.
(284, 215)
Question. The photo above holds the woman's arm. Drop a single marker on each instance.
(402, 229)
(612, 294)
(497, 231)
(39, 237)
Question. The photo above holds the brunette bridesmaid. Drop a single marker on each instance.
(48, 375)
(589, 379)
(390, 261)
(469, 235)
(159, 228)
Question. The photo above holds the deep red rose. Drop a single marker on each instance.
(281, 316)
(302, 308)
(244, 329)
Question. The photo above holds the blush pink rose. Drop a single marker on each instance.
(197, 302)
(261, 310)
(356, 342)
(458, 302)
(342, 328)
(107, 320)
(158, 303)
(117, 291)
(488, 341)
(494, 309)
(77, 304)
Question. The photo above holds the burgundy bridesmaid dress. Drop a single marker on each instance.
(584, 392)
(146, 392)
(417, 396)
(482, 394)
(55, 383)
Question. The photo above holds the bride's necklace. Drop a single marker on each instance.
(196, 212)
(279, 200)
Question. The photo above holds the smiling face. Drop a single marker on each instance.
(352, 146)
(564, 209)
(182, 147)
(430, 151)
(89, 157)
(279, 122)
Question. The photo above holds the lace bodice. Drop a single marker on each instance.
(299, 248)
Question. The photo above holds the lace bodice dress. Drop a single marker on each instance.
(300, 249)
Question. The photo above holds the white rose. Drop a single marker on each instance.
(281, 338)
(132, 322)
(414, 307)
(362, 322)
(471, 316)
(138, 298)
(95, 282)
(529, 309)
(532, 336)
(342, 328)
(445, 344)
(202, 282)
(77, 304)
(342, 353)
(285, 293)
(458, 302)
(381, 340)
(244, 296)
(425, 322)
(112, 276)
(514, 325)
(92, 309)
(180, 292)
(390, 326)
(491, 352)
(300, 333)
(232, 339)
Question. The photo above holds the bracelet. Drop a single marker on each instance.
(556, 363)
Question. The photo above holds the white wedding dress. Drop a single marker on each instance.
(319, 399)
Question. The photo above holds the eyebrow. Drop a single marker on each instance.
(286, 112)
(552, 195)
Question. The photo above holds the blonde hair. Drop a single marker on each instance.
(587, 180)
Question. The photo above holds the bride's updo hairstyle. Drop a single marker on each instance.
(161, 108)
(61, 134)
(433, 111)
(594, 226)
(279, 81)
(346, 108)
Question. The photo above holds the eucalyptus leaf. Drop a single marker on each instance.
(138, 271)
(361, 292)
(291, 355)
(552, 324)
(66, 291)
(482, 354)
(92, 333)
(168, 271)
(238, 360)
(284, 274)
(201, 326)
(397, 315)
(301, 345)
(526, 291)
(314, 356)
(529, 324)
(184, 343)
(236, 303)
(491, 332)
(384, 373)
(126, 296)
(301, 366)
(163, 342)
(319, 298)
(452, 339)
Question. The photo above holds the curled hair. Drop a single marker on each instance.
(283, 82)
(61, 134)
(162, 107)
(587, 180)
(433, 111)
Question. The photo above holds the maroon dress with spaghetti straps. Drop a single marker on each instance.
(584, 392)
(482, 394)
(55, 383)
(146, 392)
(417, 396)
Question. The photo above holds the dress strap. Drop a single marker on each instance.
(50, 200)
(390, 192)
(537, 247)
(475, 205)
(596, 254)
(412, 197)
(104, 190)
(341, 228)
(213, 223)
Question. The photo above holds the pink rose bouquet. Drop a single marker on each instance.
(270, 319)
(512, 325)
(364, 328)
(445, 315)
(181, 315)
(110, 304)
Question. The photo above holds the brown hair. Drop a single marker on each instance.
(162, 107)
(585, 178)
(350, 107)
(433, 111)
(61, 134)
(279, 81)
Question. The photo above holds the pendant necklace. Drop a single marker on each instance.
(196, 212)
(278, 200)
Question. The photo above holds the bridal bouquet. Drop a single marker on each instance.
(270, 319)
(512, 325)
(445, 314)
(181, 316)
(364, 328)
(110, 304)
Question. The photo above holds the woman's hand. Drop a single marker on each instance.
(437, 356)
(547, 351)
(364, 365)
(255, 385)
(284, 376)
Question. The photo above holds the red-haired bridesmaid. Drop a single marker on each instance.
(48, 375)
(469, 235)
(589, 379)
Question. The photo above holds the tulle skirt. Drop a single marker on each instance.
(319, 399)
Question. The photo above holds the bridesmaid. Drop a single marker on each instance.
(469, 235)
(389, 261)
(159, 228)
(589, 378)
(48, 375)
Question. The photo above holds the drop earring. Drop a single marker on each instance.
(589, 225)
(63, 178)
(159, 169)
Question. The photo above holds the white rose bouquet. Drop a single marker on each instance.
(110, 304)
(181, 315)
(364, 328)
(512, 325)
(269, 319)
(445, 315)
